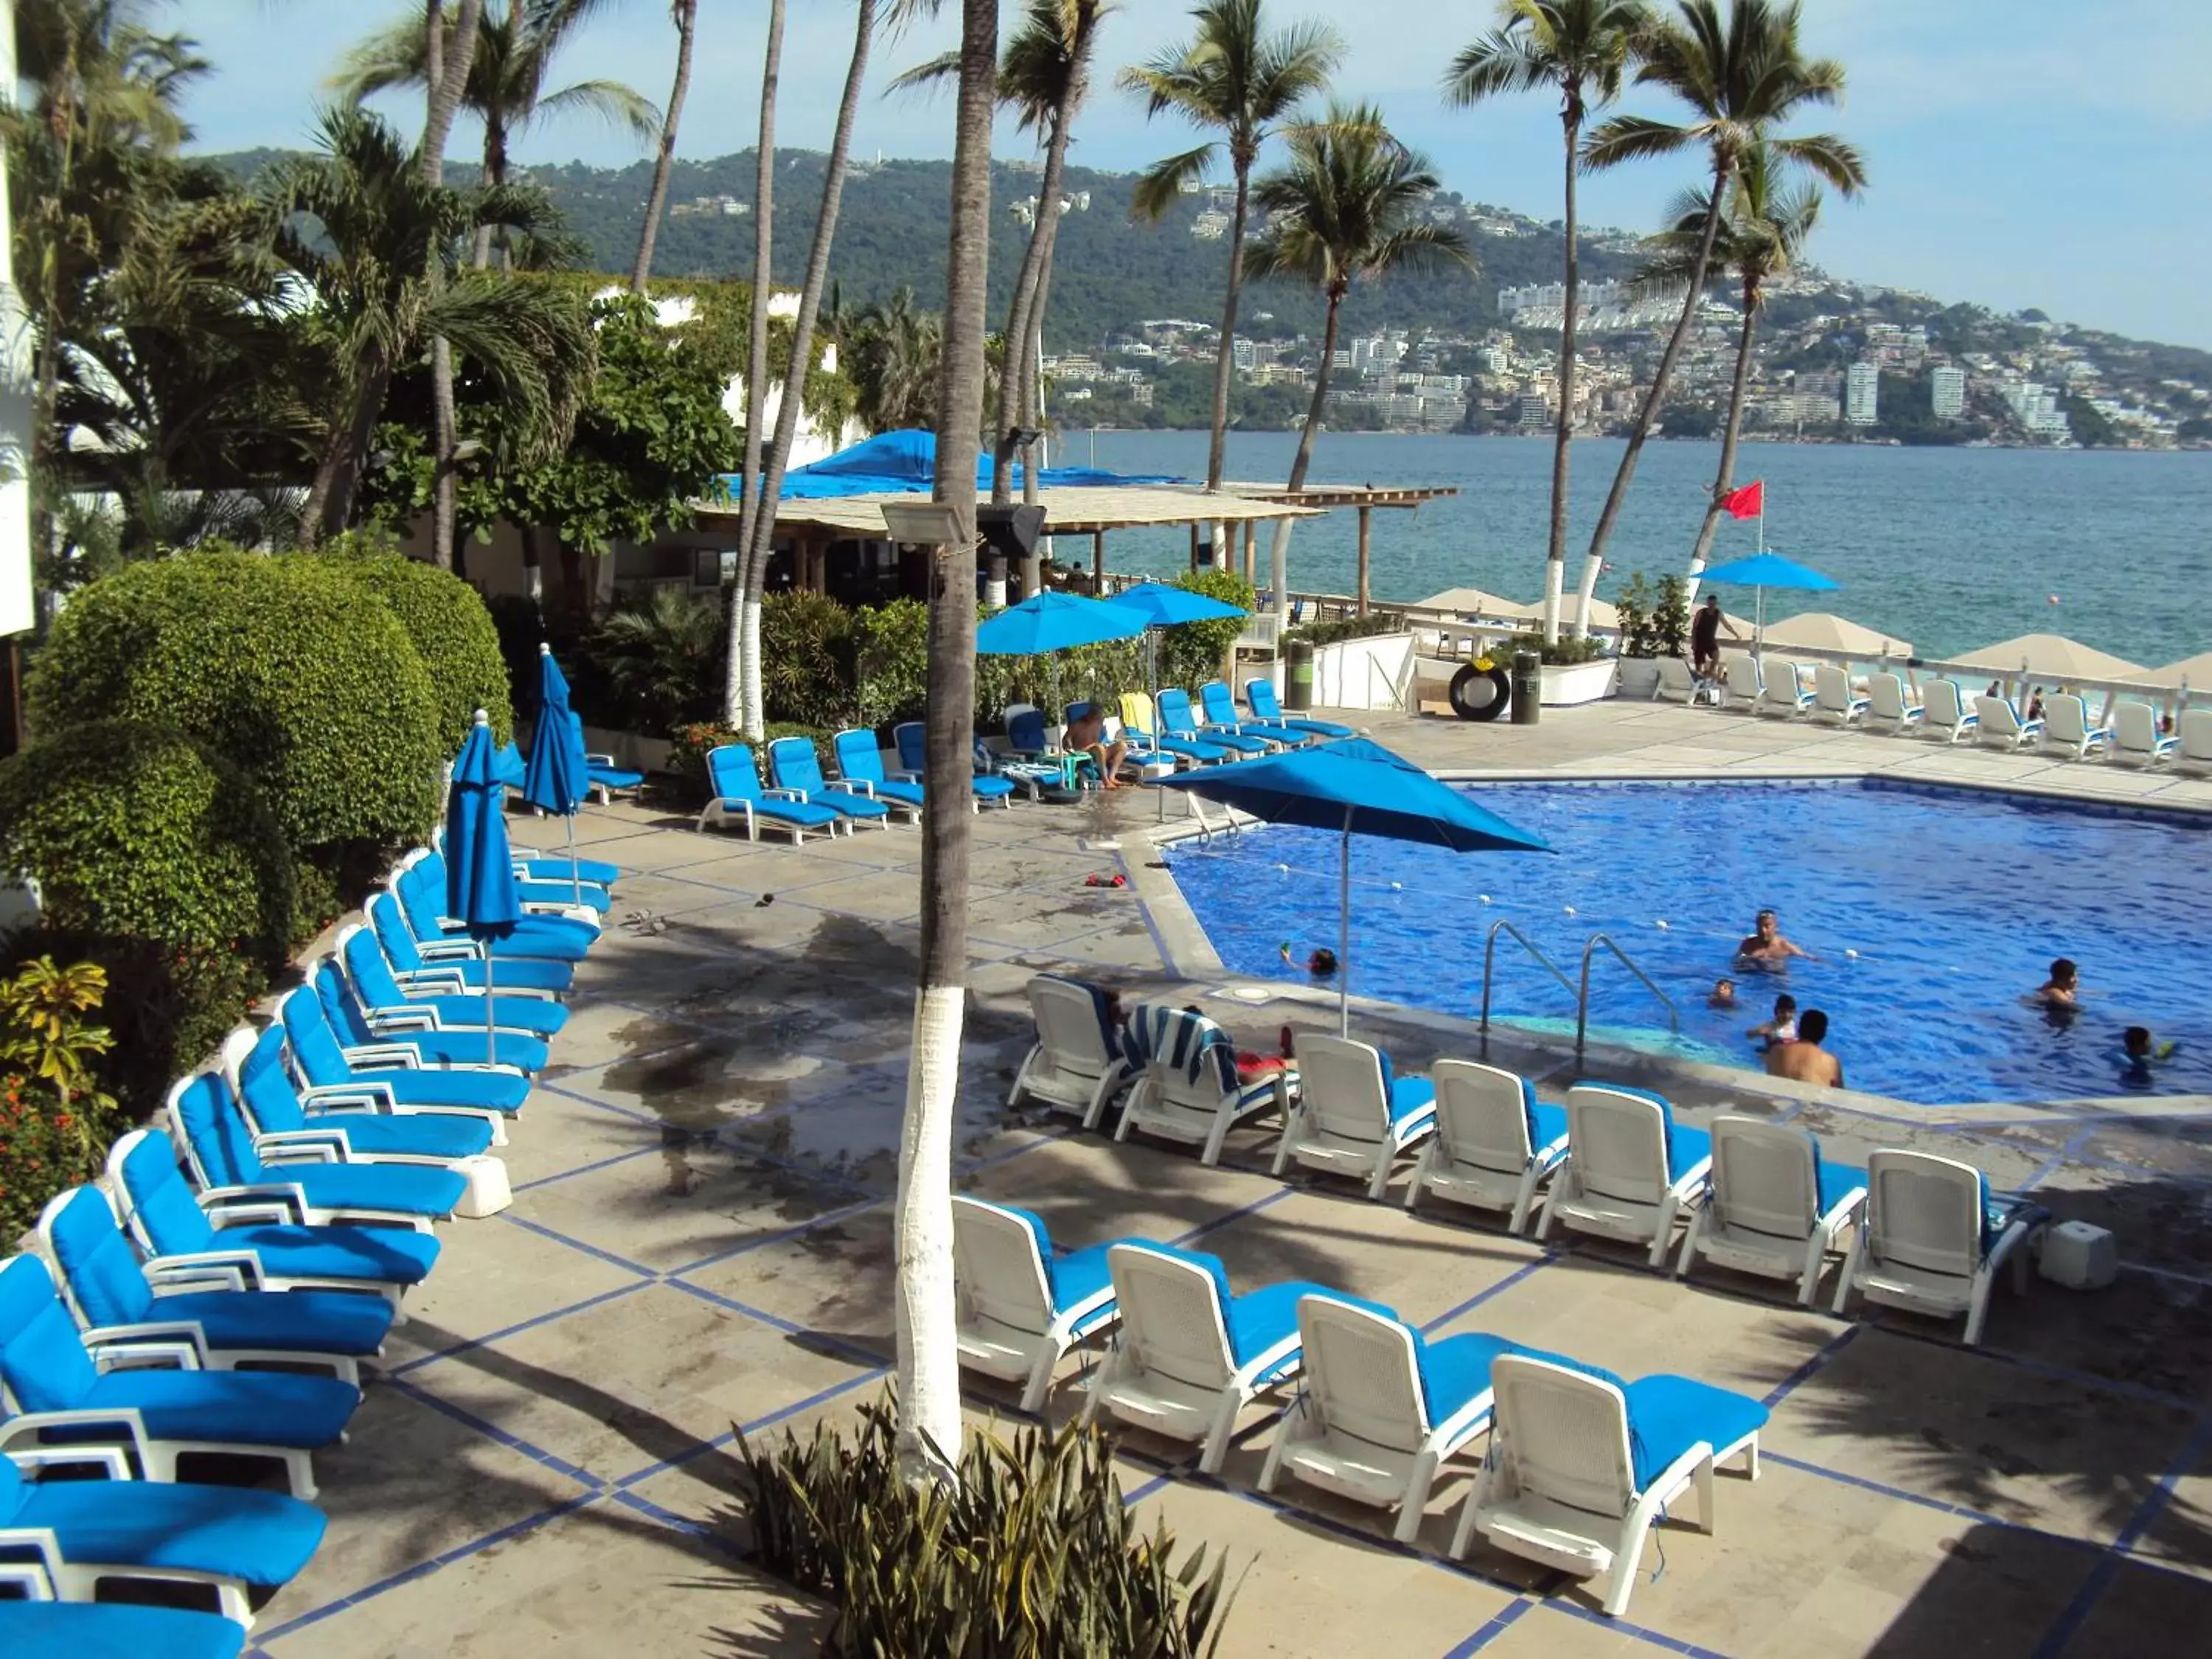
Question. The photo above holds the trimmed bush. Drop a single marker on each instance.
(1192, 654)
(161, 863)
(891, 661)
(284, 666)
(807, 647)
(451, 630)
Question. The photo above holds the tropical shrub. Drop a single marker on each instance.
(1028, 1549)
(807, 656)
(56, 1120)
(891, 661)
(1654, 621)
(1053, 681)
(688, 745)
(1346, 628)
(663, 660)
(284, 666)
(1192, 654)
(451, 631)
(1558, 652)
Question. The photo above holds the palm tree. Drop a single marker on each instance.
(360, 228)
(890, 352)
(1347, 208)
(1581, 47)
(1235, 77)
(922, 1307)
(686, 16)
(506, 88)
(1761, 236)
(756, 371)
(753, 570)
(446, 75)
(1742, 77)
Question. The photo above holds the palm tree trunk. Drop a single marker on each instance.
(330, 499)
(792, 402)
(1279, 550)
(922, 1305)
(447, 75)
(495, 174)
(1224, 356)
(1726, 476)
(687, 26)
(1649, 414)
(1555, 560)
(744, 603)
(1025, 316)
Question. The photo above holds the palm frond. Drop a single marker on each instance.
(931, 75)
(1502, 61)
(1635, 138)
(613, 102)
(1160, 186)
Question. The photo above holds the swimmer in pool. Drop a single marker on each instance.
(1766, 947)
(2063, 990)
(1782, 1029)
(1803, 1060)
(2139, 1052)
(1724, 994)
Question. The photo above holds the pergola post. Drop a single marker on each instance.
(1251, 545)
(1366, 523)
(1097, 564)
(1193, 544)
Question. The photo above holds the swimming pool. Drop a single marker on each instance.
(1932, 912)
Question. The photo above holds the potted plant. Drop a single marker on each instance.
(1575, 670)
(1639, 656)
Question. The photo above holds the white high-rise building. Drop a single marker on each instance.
(1946, 393)
(1861, 394)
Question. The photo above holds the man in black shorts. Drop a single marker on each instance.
(1706, 625)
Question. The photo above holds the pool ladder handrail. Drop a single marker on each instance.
(1489, 956)
(1582, 1002)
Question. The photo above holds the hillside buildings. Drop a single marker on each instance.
(1861, 394)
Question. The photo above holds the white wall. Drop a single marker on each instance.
(1376, 672)
(16, 613)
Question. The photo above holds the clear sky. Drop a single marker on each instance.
(2022, 152)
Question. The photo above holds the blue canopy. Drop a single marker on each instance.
(555, 780)
(1164, 605)
(1767, 570)
(893, 463)
(1055, 621)
(1356, 784)
(480, 890)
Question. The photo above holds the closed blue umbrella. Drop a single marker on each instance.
(1355, 784)
(556, 779)
(480, 890)
(1766, 570)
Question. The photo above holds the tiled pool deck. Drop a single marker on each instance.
(700, 1238)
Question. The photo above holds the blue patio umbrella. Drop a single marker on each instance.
(1050, 622)
(1355, 784)
(480, 890)
(556, 779)
(1164, 605)
(1765, 570)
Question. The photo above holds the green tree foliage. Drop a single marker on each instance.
(451, 629)
(891, 661)
(807, 648)
(663, 660)
(1191, 653)
(286, 667)
(56, 1120)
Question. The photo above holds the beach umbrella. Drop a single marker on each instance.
(555, 779)
(2052, 655)
(1473, 602)
(1764, 570)
(1164, 605)
(1355, 785)
(2190, 671)
(1824, 630)
(1051, 620)
(480, 890)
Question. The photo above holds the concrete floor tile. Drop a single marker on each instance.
(493, 1274)
(2143, 1612)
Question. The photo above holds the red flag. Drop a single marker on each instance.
(1748, 502)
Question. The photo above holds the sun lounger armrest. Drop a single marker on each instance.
(449, 981)
(1548, 1155)
(858, 787)
(146, 1356)
(164, 1336)
(598, 760)
(1697, 1178)
(271, 1201)
(363, 1096)
(449, 949)
(114, 1463)
(1851, 1203)
(781, 793)
(167, 1277)
(324, 1146)
(31, 1424)
(1269, 1360)
(398, 1056)
(403, 1020)
(243, 1263)
(1652, 1500)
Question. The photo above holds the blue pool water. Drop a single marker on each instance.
(1955, 902)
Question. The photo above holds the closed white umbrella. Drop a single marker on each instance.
(2196, 671)
(2053, 656)
(1824, 630)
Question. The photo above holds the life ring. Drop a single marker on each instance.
(1481, 690)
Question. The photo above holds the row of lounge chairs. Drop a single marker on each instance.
(1943, 709)
(1580, 1461)
(279, 1220)
(795, 797)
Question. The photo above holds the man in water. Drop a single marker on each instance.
(1706, 637)
(2062, 989)
(1766, 948)
(1805, 1060)
(1086, 735)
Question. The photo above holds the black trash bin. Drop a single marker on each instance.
(1297, 676)
(1527, 687)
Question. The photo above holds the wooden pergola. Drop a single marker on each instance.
(1364, 498)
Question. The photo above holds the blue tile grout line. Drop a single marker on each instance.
(1183, 1239)
(485, 1341)
(622, 1484)
(498, 1436)
(592, 1250)
(1812, 1367)
(1498, 1624)
(559, 1176)
(1480, 1296)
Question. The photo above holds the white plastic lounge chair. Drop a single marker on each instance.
(1187, 1086)
(1141, 722)
(2000, 725)
(1891, 705)
(1581, 1463)
(1630, 1170)
(1933, 1238)
(1190, 1354)
(603, 779)
(2136, 738)
(1947, 716)
(1381, 1408)
(1776, 1208)
(1679, 682)
(736, 797)
(1353, 1116)
(1179, 724)
(282, 1126)
(1786, 694)
(1020, 1308)
(2194, 729)
(40, 1625)
(1217, 704)
(1494, 1141)
(1743, 680)
(1076, 1064)
(2066, 727)
(1834, 699)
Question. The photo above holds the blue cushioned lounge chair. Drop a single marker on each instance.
(420, 885)
(1776, 1206)
(238, 1543)
(116, 1299)
(258, 1237)
(283, 1129)
(1381, 1407)
(388, 919)
(1187, 1087)
(1935, 1238)
(1020, 1307)
(603, 778)
(371, 1034)
(370, 973)
(862, 766)
(1260, 697)
(1078, 1063)
(1354, 1116)
(797, 770)
(1178, 723)
(1218, 706)
(1630, 1170)
(387, 1077)
(160, 1414)
(1495, 1142)
(911, 737)
(738, 797)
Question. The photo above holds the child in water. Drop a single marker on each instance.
(1783, 1028)
(2139, 1053)
(1724, 994)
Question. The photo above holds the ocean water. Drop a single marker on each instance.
(1950, 548)
(1931, 913)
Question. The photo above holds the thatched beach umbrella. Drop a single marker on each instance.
(1824, 630)
(2053, 656)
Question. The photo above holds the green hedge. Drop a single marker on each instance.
(808, 644)
(1191, 655)
(279, 665)
(162, 862)
(451, 630)
(1346, 628)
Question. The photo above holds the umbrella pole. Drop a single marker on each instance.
(1152, 677)
(491, 1008)
(575, 868)
(1344, 931)
(1759, 632)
